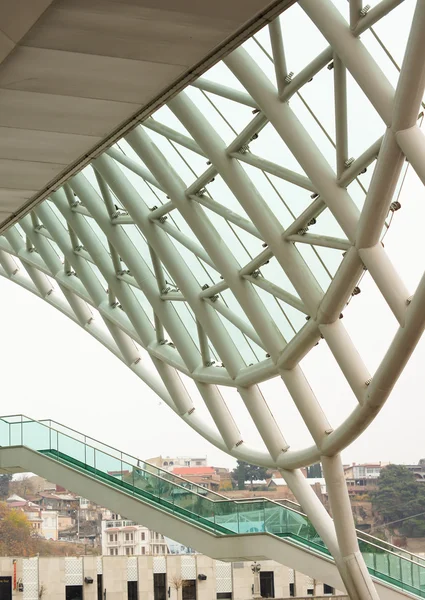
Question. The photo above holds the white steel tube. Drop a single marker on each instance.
(412, 142)
(276, 40)
(353, 54)
(249, 198)
(297, 139)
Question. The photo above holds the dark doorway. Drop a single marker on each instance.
(5, 588)
(132, 590)
(159, 586)
(74, 592)
(189, 589)
(267, 584)
(99, 587)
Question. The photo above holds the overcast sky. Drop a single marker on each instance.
(50, 368)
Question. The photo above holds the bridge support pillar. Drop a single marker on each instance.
(357, 579)
(339, 535)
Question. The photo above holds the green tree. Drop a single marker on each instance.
(4, 485)
(314, 471)
(247, 472)
(398, 498)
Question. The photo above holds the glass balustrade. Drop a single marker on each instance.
(188, 501)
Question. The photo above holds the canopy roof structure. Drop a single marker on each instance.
(76, 74)
(219, 241)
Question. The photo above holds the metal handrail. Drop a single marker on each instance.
(44, 421)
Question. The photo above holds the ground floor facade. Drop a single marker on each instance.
(185, 577)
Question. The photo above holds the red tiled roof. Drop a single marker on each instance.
(194, 471)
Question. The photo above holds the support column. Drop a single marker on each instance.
(324, 526)
(352, 560)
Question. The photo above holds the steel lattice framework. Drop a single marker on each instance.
(230, 273)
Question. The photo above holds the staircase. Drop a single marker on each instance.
(196, 506)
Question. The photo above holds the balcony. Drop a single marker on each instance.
(118, 524)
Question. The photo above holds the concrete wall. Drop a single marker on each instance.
(53, 576)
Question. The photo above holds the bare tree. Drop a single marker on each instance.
(178, 583)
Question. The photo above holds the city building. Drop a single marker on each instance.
(363, 470)
(44, 522)
(173, 577)
(418, 470)
(168, 463)
(122, 537)
(203, 476)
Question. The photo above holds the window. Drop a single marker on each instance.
(111, 538)
(116, 537)
(129, 537)
(292, 589)
(224, 595)
(113, 551)
(143, 550)
(189, 589)
(310, 591)
(267, 584)
(198, 463)
(187, 463)
(328, 589)
(142, 536)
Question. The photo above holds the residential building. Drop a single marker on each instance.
(168, 463)
(362, 478)
(64, 502)
(50, 524)
(418, 470)
(122, 537)
(363, 471)
(203, 476)
(43, 522)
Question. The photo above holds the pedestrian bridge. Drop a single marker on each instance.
(222, 528)
(212, 231)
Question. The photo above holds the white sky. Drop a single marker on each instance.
(50, 368)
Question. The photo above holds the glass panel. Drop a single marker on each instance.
(4, 433)
(15, 434)
(226, 515)
(394, 563)
(36, 435)
(108, 467)
(251, 516)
